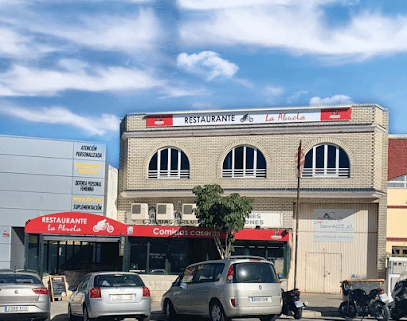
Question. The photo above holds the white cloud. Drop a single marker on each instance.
(128, 32)
(273, 91)
(60, 115)
(15, 45)
(294, 97)
(333, 100)
(25, 81)
(297, 26)
(216, 4)
(170, 91)
(208, 63)
(116, 33)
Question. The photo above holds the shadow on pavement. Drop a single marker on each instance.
(60, 317)
(325, 311)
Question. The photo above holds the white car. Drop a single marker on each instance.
(110, 294)
(23, 296)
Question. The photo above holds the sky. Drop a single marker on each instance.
(72, 69)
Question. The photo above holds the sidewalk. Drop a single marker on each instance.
(319, 305)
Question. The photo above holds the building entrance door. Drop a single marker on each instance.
(323, 272)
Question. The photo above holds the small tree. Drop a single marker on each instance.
(221, 213)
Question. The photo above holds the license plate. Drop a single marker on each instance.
(298, 304)
(260, 299)
(384, 297)
(15, 308)
(119, 297)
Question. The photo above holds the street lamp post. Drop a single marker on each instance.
(300, 164)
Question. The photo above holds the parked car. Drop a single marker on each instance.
(238, 286)
(110, 294)
(23, 296)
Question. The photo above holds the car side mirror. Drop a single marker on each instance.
(280, 276)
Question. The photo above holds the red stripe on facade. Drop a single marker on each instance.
(397, 206)
(397, 239)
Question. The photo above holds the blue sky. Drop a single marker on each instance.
(72, 69)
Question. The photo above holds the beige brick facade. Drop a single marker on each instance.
(363, 138)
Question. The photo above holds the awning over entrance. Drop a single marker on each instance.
(76, 224)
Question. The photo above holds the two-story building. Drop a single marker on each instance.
(341, 226)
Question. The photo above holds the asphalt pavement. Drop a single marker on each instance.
(318, 305)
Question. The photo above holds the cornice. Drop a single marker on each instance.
(308, 193)
(252, 130)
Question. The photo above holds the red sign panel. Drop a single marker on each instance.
(205, 233)
(75, 223)
(336, 114)
(263, 235)
(159, 120)
(170, 231)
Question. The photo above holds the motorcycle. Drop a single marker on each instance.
(364, 298)
(398, 307)
(292, 305)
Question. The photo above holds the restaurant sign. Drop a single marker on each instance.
(75, 223)
(205, 233)
(273, 116)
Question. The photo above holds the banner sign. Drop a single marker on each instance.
(251, 117)
(75, 223)
(205, 233)
(334, 225)
(263, 235)
(170, 231)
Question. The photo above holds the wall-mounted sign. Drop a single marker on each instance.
(89, 169)
(264, 219)
(89, 151)
(205, 233)
(87, 203)
(75, 223)
(93, 186)
(333, 225)
(249, 117)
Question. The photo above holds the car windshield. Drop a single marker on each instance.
(124, 280)
(15, 278)
(254, 272)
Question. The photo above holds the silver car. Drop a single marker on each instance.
(110, 294)
(222, 289)
(23, 296)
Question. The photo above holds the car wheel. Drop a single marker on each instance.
(85, 315)
(71, 317)
(217, 313)
(143, 318)
(169, 311)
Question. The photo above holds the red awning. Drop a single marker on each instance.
(75, 223)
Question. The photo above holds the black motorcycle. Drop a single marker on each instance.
(398, 307)
(361, 303)
(292, 305)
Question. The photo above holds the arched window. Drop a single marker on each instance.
(169, 162)
(326, 160)
(244, 161)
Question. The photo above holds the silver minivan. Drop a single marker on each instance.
(238, 286)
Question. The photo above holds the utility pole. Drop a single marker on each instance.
(300, 164)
